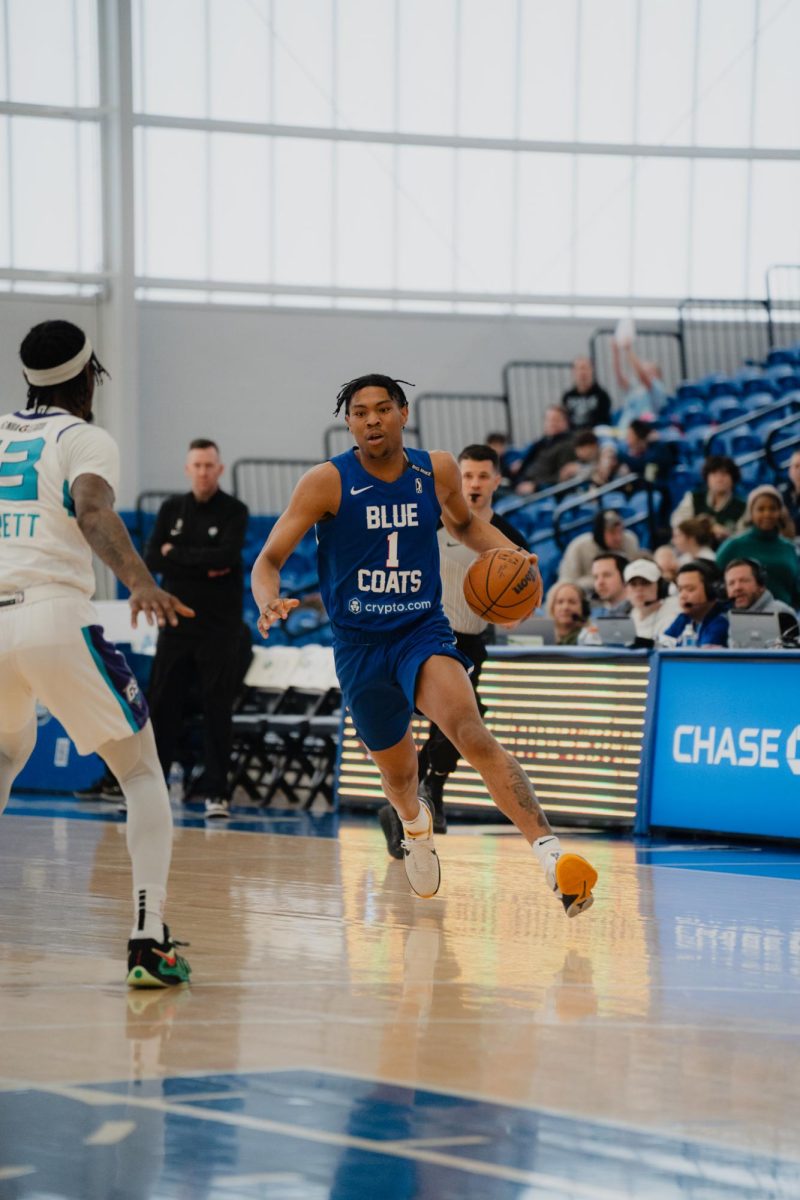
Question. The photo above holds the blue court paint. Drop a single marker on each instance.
(770, 861)
(334, 1137)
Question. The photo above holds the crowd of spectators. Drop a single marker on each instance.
(721, 549)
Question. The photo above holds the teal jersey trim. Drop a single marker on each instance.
(69, 503)
(102, 669)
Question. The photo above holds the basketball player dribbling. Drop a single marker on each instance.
(375, 509)
(58, 476)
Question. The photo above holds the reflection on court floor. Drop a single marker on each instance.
(345, 1039)
(312, 1136)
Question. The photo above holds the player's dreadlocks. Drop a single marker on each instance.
(48, 345)
(392, 386)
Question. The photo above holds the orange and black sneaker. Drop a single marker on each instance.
(572, 878)
(153, 964)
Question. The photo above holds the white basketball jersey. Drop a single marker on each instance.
(42, 453)
(455, 560)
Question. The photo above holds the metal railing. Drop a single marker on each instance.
(755, 417)
(338, 438)
(773, 447)
(664, 346)
(719, 335)
(531, 387)
(564, 531)
(453, 420)
(266, 484)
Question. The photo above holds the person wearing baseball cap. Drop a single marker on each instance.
(653, 609)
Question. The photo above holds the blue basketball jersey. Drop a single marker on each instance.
(379, 556)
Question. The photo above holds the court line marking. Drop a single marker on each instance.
(562, 1184)
(110, 1133)
(618, 1125)
(230, 1181)
(15, 1172)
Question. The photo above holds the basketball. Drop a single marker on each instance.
(502, 586)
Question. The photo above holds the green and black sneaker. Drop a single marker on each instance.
(153, 964)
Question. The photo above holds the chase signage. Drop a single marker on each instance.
(726, 744)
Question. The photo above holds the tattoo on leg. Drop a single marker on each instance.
(523, 793)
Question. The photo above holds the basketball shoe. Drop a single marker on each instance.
(217, 806)
(572, 879)
(153, 964)
(392, 828)
(421, 860)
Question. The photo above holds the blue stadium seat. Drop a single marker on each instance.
(725, 387)
(724, 408)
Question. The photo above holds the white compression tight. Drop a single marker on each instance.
(15, 750)
(135, 764)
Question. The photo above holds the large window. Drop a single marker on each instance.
(406, 154)
(49, 161)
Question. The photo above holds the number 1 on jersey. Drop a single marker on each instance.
(393, 539)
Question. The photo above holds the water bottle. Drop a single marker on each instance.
(689, 638)
(175, 783)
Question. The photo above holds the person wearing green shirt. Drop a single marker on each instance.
(762, 540)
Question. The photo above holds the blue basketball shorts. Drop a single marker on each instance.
(378, 677)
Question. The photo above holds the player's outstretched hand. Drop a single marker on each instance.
(534, 560)
(276, 610)
(157, 605)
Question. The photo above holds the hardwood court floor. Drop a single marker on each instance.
(345, 1039)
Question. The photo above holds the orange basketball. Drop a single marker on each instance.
(503, 586)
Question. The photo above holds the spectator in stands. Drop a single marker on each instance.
(791, 491)
(643, 396)
(717, 498)
(568, 605)
(702, 621)
(196, 545)
(543, 462)
(608, 534)
(645, 454)
(668, 563)
(746, 585)
(653, 609)
(593, 463)
(765, 517)
(694, 539)
(608, 584)
(587, 404)
(500, 444)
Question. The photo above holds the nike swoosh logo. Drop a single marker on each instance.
(169, 959)
(358, 491)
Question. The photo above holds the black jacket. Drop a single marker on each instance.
(205, 537)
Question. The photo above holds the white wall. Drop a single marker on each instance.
(263, 384)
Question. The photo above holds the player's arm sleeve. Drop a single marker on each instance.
(88, 450)
(226, 553)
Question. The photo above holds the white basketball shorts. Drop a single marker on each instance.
(52, 650)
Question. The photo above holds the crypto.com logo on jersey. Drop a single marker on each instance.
(727, 745)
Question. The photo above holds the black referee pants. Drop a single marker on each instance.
(213, 664)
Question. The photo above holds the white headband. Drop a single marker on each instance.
(62, 373)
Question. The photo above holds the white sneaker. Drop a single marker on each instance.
(216, 806)
(421, 860)
(572, 878)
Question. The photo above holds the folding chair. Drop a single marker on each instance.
(266, 687)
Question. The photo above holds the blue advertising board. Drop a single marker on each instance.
(725, 743)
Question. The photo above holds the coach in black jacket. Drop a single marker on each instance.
(196, 545)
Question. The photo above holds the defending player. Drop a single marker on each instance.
(58, 475)
(376, 509)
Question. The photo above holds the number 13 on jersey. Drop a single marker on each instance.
(18, 460)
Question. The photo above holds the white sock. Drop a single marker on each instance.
(543, 847)
(148, 831)
(419, 824)
(148, 903)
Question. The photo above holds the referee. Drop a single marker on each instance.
(480, 479)
(196, 545)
